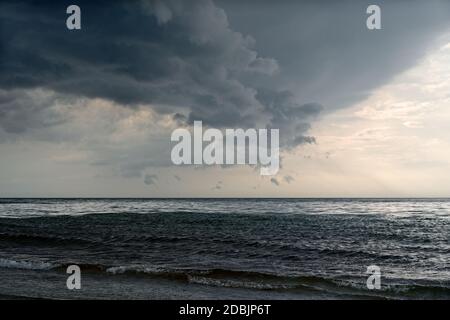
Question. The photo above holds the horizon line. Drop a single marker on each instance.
(225, 198)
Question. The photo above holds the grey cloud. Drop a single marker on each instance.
(27, 110)
(182, 58)
(131, 161)
(288, 178)
(218, 186)
(264, 68)
(150, 179)
(324, 50)
(172, 53)
(292, 119)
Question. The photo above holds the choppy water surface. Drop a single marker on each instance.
(270, 248)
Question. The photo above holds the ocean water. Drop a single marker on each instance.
(225, 248)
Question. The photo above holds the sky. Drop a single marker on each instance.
(89, 113)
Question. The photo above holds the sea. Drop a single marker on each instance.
(225, 248)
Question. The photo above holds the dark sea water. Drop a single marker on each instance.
(223, 249)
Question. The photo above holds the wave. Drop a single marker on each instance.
(26, 264)
(223, 277)
(267, 281)
(120, 240)
(39, 239)
(235, 283)
(248, 280)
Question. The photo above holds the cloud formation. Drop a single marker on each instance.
(150, 179)
(288, 178)
(324, 50)
(179, 58)
(275, 182)
(218, 186)
(28, 110)
(110, 94)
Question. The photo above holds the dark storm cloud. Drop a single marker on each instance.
(324, 50)
(168, 53)
(181, 57)
(186, 59)
(293, 119)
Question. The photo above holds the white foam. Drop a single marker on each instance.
(135, 268)
(25, 264)
(229, 283)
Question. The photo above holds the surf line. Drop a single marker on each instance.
(236, 147)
